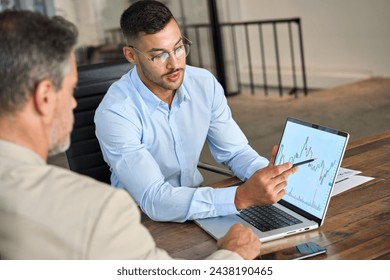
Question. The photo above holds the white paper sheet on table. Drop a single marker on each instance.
(345, 173)
(348, 179)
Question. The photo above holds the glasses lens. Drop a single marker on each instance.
(187, 49)
(179, 53)
(161, 58)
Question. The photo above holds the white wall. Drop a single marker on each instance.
(92, 17)
(344, 40)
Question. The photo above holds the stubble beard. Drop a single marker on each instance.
(59, 147)
(56, 144)
(161, 82)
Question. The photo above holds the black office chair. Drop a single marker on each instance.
(84, 155)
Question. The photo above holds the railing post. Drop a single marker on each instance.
(280, 86)
(248, 49)
(263, 62)
(236, 60)
(302, 56)
(217, 43)
(294, 89)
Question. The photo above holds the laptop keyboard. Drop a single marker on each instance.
(267, 217)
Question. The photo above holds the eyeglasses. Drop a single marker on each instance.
(179, 52)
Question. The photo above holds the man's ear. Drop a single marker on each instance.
(129, 55)
(45, 99)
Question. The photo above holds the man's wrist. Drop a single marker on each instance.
(240, 199)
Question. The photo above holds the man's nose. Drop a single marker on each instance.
(172, 61)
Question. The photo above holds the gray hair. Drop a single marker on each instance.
(33, 47)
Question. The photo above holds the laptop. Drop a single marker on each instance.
(308, 191)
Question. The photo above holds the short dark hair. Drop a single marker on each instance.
(33, 47)
(145, 16)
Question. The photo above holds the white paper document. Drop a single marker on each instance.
(345, 173)
(347, 179)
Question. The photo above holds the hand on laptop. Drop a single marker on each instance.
(265, 186)
(242, 240)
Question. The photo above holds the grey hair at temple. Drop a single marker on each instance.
(33, 47)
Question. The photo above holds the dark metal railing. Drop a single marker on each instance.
(257, 56)
(253, 60)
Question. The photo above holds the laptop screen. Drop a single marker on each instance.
(309, 189)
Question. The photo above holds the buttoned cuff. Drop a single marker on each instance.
(224, 201)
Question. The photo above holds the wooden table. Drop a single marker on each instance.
(357, 224)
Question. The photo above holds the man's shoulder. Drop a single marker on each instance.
(80, 187)
(200, 78)
(118, 95)
(194, 71)
(71, 176)
(43, 186)
(56, 202)
(120, 88)
(86, 196)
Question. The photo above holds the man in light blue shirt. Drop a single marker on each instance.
(153, 123)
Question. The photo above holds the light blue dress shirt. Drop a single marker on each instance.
(153, 151)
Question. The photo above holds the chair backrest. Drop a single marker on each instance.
(84, 155)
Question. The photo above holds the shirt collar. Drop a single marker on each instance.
(150, 99)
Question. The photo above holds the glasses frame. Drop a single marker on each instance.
(187, 46)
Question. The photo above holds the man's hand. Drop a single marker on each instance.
(265, 186)
(242, 240)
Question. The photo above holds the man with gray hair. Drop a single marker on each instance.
(47, 212)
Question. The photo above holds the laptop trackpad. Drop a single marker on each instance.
(219, 226)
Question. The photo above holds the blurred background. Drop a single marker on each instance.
(342, 41)
(322, 61)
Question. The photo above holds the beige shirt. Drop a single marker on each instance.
(47, 212)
